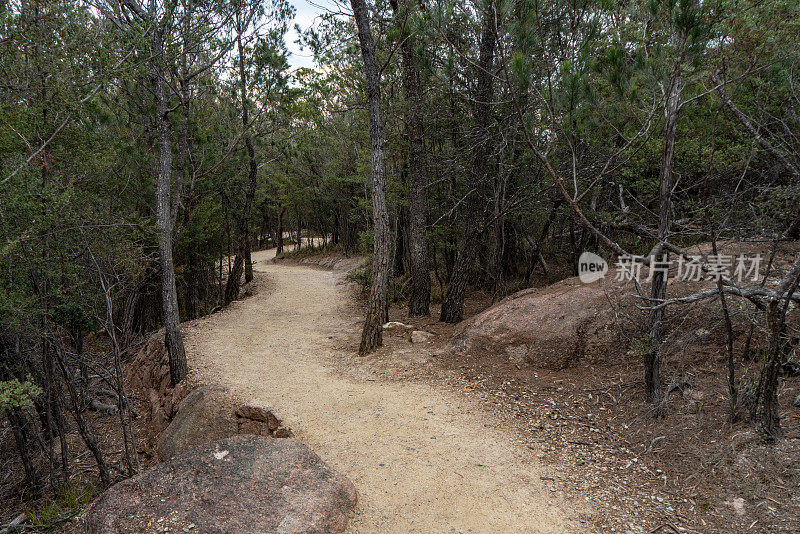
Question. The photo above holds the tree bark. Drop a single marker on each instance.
(658, 290)
(371, 336)
(778, 349)
(173, 338)
(299, 242)
(453, 305)
(279, 231)
(419, 300)
(769, 424)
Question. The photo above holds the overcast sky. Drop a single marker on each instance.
(306, 16)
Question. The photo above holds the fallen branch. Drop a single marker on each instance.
(17, 522)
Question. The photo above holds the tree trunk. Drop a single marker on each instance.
(658, 291)
(500, 238)
(263, 236)
(173, 339)
(17, 422)
(419, 300)
(371, 336)
(279, 231)
(779, 348)
(769, 424)
(453, 305)
(400, 225)
(299, 241)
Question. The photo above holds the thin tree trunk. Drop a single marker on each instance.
(17, 421)
(400, 224)
(793, 230)
(500, 253)
(279, 242)
(173, 339)
(658, 291)
(299, 241)
(420, 298)
(769, 420)
(453, 305)
(83, 428)
(371, 336)
(778, 349)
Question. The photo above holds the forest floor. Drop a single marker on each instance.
(443, 442)
(423, 457)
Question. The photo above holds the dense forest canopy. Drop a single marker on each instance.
(147, 148)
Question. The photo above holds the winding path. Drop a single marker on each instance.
(422, 458)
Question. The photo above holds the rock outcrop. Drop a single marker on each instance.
(204, 415)
(551, 327)
(421, 336)
(208, 413)
(244, 484)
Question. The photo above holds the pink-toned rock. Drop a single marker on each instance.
(257, 428)
(259, 414)
(283, 433)
(552, 327)
(204, 415)
(244, 484)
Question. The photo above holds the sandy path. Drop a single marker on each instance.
(422, 458)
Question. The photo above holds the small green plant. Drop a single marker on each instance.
(641, 345)
(65, 504)
(437, 295)
(16, 394)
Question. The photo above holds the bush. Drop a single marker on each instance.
(16, 394)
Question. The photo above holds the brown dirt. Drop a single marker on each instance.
(423, 457)
(689, 470)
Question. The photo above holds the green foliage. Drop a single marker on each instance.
(361, 276)
(16, 394)
(63, 506)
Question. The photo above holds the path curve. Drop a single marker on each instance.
(421, 457)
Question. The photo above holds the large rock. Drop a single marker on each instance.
(421, 336)
(551, 328)
(206, 414)
(244, 484)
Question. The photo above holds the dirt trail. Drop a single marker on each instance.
(423, 459)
